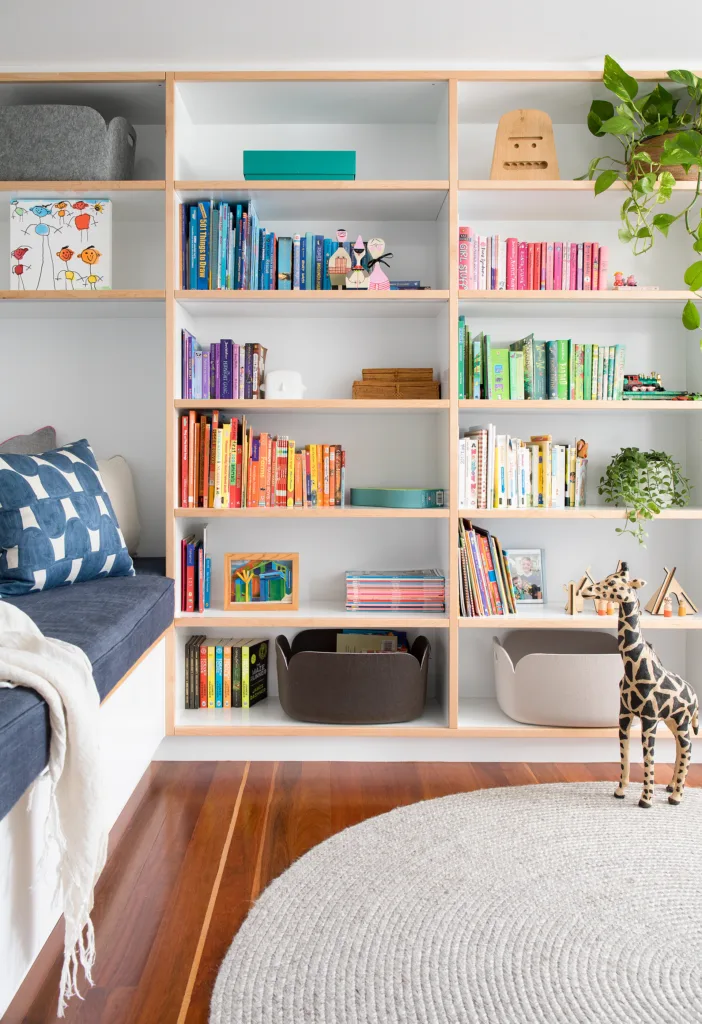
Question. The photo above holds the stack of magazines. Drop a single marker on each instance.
(400, 590)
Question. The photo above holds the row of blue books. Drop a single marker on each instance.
(223, 247)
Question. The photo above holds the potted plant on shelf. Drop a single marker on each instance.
(661, 136)
(644, 483)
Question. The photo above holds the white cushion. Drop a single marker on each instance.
(117, 478)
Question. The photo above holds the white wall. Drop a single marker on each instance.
(316, 33)
(103, 379)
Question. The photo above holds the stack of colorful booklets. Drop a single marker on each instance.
(223, 247)
(224, 370)
(195, 573)
(225, 465)
(395, 590)
(500, 471)
(537, 370)
(494, 263)
(225, 673)
(485, 582)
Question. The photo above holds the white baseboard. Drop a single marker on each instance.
(132, 725)
(339, 748)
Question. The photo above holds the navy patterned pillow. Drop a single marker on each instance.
(57, 525)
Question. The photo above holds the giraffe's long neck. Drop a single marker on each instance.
(629, 636)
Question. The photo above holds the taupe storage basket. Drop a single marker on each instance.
(64, 142)
(558, 677)
(315, 684)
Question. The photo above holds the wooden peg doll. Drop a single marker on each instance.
(379, 280)
(340, 262)
(358, 278)
(668, 607)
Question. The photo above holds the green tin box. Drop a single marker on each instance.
(300, 164)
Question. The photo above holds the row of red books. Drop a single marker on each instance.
(492, 263)
(226, 465)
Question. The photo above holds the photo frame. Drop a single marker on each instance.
(261, 580)
(526, 570)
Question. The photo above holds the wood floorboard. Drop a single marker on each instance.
(234, 897)
(153, 897)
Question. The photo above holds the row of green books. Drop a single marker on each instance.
(537, 370)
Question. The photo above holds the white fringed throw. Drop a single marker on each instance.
(62, 675)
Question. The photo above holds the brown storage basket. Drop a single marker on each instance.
(315, 684)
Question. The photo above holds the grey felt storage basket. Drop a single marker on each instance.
(558, 677)
(61, 142)
(315, 684)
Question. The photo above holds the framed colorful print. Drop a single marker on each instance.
(260, 580)
(61, 244)
(526, 569)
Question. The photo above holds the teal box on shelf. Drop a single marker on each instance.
(300, 164)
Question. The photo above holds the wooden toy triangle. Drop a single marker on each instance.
(524, 147)
(669, 586)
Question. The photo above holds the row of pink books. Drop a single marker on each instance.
(491, 263)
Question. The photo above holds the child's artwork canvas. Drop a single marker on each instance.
(526, 569)
(60, 244)
(253, 580)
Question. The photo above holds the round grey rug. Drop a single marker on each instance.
(529, 905)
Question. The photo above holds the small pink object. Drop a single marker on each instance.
(631, 281)
(619, 281)
(379, 280)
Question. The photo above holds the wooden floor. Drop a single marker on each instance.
(204, 841)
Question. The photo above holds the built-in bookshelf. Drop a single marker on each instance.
(424, 145)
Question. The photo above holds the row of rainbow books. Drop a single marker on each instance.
(500, 471)
(493, 263)
(223, 464)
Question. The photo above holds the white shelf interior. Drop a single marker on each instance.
(481, 104)
(138, 231)
(326, 550)
(142, 103)
(398, 129)
(330, 353)
(269, 712)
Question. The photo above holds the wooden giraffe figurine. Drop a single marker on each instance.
(647, 690)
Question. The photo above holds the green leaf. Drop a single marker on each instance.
(600, 110)
(657, 105)
(662, 222)
(617, 81)
(658, 128)
(686, 78)
(691, 316)
(604, 180)
(698, 245)
(643, 232)
(624, 235)
(693, 276)
(618, 125)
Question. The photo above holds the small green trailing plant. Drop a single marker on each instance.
(641, 124)
(644, 483)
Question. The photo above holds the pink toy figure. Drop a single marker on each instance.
(358, 278)
(631, 281)
(379, 280)
(619, 281)
(339, 262)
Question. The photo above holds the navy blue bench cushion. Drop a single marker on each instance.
(114, 621)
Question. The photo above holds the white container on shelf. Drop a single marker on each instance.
(558, 677)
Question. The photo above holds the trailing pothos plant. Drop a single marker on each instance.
(657, 131)
(644, 483)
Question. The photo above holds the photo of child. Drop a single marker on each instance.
(526, 572)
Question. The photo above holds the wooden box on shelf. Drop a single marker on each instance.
(261, 579)
(397, 382)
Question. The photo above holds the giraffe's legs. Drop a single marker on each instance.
(648, 740)
(625, 720)
(673, 726)
(684, 742)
